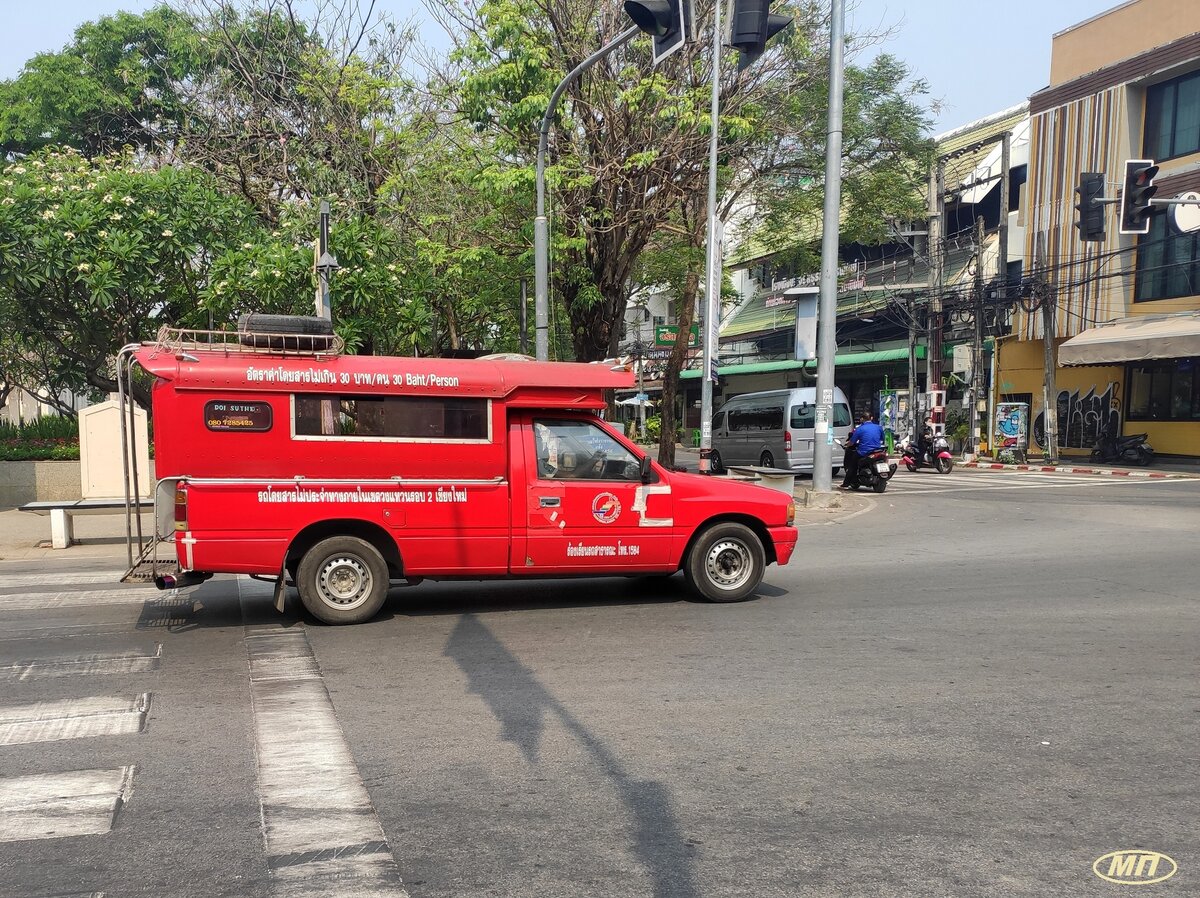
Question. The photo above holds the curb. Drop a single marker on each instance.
(1062, 469)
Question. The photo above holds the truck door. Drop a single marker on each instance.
(585, 508)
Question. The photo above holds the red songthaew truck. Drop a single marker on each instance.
(278, 456)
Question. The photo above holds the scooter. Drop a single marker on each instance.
(1132, 449)
(874, 470)
(937, 456)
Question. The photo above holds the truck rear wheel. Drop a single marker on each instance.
(343, 580)
(726, 563)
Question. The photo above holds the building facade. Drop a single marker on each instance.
(1123, 85)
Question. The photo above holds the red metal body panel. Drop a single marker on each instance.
(452, 508)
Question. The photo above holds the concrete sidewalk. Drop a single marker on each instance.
(25, 536)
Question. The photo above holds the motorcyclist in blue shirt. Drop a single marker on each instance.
(864, 439)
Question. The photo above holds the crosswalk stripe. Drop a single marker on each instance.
(73, 719)
(58, 805)
(83, 665)
(321, 831)
(952, 483)
(14, 580)
(42, 601)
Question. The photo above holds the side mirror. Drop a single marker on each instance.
(644, 469)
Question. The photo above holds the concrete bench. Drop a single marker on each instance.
(61, 529)
(781, 479)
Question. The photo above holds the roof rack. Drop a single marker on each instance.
(179, 339)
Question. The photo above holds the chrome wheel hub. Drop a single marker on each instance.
(344, 582)
(728, 564)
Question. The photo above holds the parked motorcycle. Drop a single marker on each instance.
(1131, 450)
(874, 470)
(936, 455)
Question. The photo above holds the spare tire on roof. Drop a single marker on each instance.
(301, 333)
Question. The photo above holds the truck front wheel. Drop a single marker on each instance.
(343, 580)
(726, 563)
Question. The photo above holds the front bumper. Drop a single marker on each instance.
(784, 539)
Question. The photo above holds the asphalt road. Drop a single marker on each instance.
(973, 686)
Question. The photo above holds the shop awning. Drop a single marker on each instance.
(1172, 336)
(840, 361)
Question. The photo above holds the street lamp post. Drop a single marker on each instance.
(541, 231)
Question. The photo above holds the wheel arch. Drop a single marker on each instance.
(364, 530)
(758, 527)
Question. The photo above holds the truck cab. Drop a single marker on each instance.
(341, 474)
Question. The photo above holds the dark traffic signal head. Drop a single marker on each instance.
(1138, 188)
(668, 22)
(753, 25)
(1090, 221)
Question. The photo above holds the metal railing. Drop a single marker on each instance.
(178, 339)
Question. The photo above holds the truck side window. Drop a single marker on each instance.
(392, 417)
(579, 450)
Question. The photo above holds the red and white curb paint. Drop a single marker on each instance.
(1062, 469)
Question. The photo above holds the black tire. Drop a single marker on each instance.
(880, 484)
(264, 332)
(1145, 456)
(766, 460)
(855, 485)
(343, 580)
(715, 466)
(726, 563)
(943, 465)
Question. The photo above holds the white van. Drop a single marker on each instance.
(775, 429)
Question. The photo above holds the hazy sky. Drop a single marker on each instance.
(978, 57)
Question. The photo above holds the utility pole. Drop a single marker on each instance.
(711, 320)
(936, 247)
(325, 265)
(1049, 387)
(912, 366)
(977, 343)
(822, 481)
(1001, 267)
(524, 316)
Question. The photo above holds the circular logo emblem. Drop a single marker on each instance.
(606, 508)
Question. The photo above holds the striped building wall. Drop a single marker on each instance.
(1093, 280)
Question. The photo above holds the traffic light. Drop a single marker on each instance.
(1135, 196)
(1090, 222)
(753, 25)
(668, 22)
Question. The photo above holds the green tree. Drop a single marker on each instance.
(115, 85)
(630, 145)
(98, 253)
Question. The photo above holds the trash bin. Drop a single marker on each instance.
(695, 439)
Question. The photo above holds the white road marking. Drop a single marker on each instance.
(73, 719)
(39, 601)
(84, 665)
(13, 580)
(951, 483)
(57, 805)
(322, 834)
